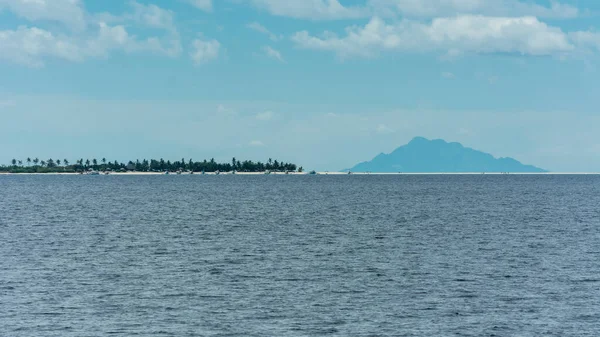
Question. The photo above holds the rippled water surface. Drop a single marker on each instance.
(238, 255)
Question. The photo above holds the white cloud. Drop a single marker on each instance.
(272, 53)
(461, 34)
(152, 16)
(446, 8)
(30, 46)
(262, 29)
(334, 9)
(27, 46)
(68, 12)
(256, 143)
(204, 51)
(116, 37)
(586, 40)
(265, 116)
(258, 27)
(205, 5)
(110, 38)
(155, 17)
(311, 9)
(147, 16)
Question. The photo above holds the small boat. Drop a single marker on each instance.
(312, 172)
(217, 173)
(267, 172)
(166, 172)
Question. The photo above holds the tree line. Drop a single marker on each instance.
(36, 165)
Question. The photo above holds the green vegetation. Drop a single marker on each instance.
(60, 166)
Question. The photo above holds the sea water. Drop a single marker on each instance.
(436, 255)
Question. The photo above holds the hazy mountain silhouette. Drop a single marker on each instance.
(426, 156)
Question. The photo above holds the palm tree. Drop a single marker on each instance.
(87, 162)
(43, 163)
(14, 162)
(57, 162)
(36, 161)
(20, 163)
(66, 162)
(103, 160)
(28, 161)
(50, 162)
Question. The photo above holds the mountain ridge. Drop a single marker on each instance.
(422, 155)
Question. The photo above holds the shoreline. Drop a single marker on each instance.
(134, 173)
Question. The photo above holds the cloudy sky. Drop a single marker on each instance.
(323, 83)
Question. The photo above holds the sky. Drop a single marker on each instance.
(321, 83)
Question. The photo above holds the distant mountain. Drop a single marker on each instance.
(426, 156)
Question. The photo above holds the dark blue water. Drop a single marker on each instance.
(300, 255)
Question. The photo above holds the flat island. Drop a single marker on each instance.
(152, 166)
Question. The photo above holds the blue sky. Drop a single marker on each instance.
(323, 83)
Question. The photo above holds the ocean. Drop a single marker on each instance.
(351, 255)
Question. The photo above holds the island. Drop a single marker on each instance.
(147, 166)
(422, 155)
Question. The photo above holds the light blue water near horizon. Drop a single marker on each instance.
(435, 255)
